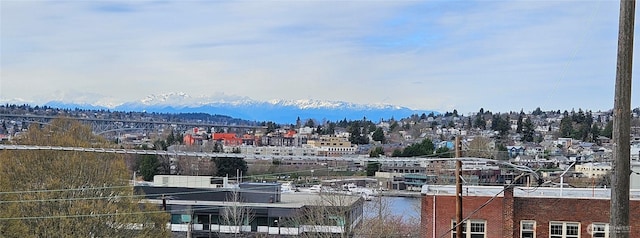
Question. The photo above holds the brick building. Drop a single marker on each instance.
(523, 212)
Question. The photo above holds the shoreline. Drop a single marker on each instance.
(400, 194)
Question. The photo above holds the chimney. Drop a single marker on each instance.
(508, 223)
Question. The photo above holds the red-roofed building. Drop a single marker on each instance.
(290, 134)
(227, 139)
(193, 139)
(188, 139)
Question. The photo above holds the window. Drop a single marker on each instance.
(471, 229)
(600, 230)
(564, 229)
(527, 229)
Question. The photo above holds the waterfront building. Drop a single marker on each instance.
(253, 209)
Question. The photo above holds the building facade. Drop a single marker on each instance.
(332, 146)
(254, 209)
(523, 212)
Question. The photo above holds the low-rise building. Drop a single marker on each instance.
(495, 211)
(278, 150)
(593, 170)
(332, 146)
(254, 209)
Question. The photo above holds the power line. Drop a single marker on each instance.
(133, 196)
(518, 167)
(96, 215)
(136, 213)
(481, 206)
(129, 186)
(64, 189)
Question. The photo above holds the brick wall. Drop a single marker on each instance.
(503, 214)
(508, 221)
(585, 211)
(446, 212)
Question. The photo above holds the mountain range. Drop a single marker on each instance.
(279, 111)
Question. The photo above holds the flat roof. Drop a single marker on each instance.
(522, 191)
(287, 200)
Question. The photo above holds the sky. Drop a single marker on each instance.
(499, 55)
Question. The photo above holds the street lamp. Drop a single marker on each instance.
(562, 177)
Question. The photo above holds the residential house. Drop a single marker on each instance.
(514, 151)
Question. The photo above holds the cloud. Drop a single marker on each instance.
(425, 55)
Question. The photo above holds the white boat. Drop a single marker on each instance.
(366, 193)
(287, 188)
(313, 189)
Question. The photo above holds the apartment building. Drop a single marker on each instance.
(524, 212)
(332, 146)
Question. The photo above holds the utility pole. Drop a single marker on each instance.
(619, 219)
(458, 189)
(190, 223)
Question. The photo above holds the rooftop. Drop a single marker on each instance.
(288, 200)
(541, 192)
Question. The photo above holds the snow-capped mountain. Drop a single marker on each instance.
(280, 111)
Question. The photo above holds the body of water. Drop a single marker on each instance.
(406, 207)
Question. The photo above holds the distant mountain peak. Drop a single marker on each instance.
(180, 98)
(278, 110)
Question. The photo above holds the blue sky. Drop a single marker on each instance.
(427, 55)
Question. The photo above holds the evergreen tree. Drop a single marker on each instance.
(537, 112)
(500, 125)
(394, 126)
(376, 152)
(331, 129)
(528, 130)
(396, 153)
(226, 166)
(424, 148)
(148, 166)
(310, 123)
(378, 135)
(519, 124)
(480, 123)
(608, 130)
(566, 127)
(372, 168)
(595, 131)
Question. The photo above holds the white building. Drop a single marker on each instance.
(593, 170)
(279, 150)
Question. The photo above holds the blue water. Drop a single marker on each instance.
(406, 207)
